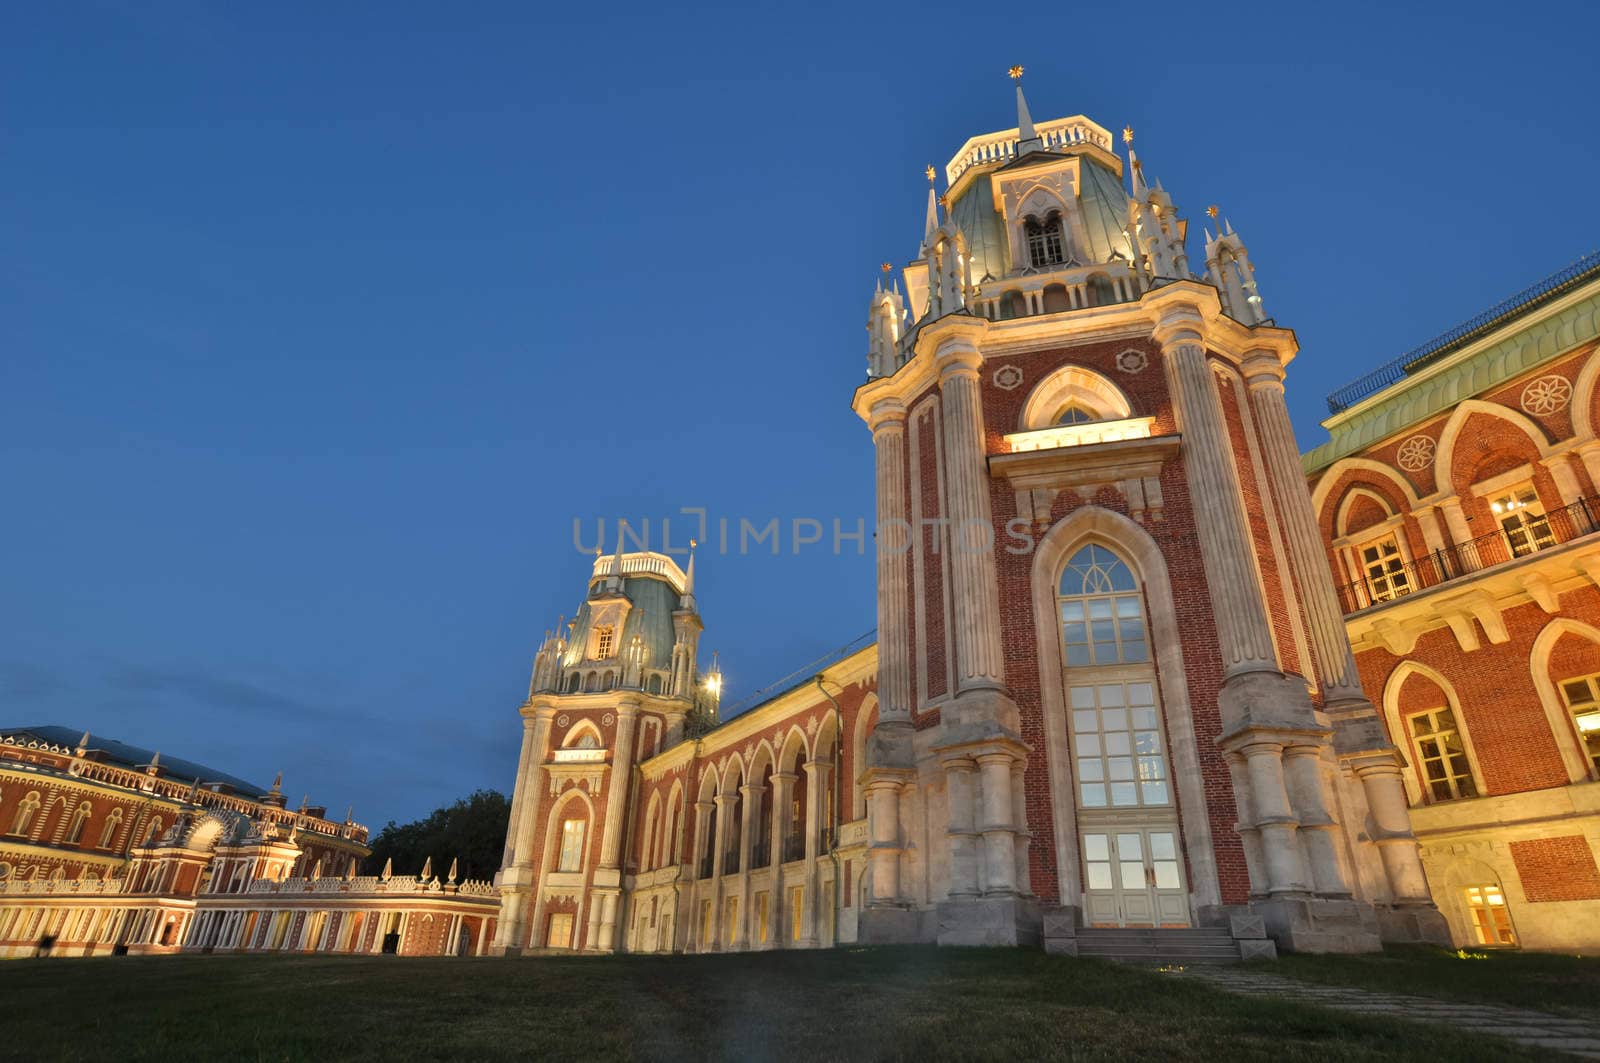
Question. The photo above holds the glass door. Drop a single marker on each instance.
(1133, 877)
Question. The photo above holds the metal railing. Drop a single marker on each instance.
(1539, 532)
(1394, 371)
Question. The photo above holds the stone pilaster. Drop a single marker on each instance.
(621, 776)
(816, 780)
(891, 746)
(519, 878)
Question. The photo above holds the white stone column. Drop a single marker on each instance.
(724, 813)
(960, 799)
(974, 585)
(1243, 631)
(1023, 834)
(1385, 790)
(617, 790)
(519, 878)
(520, 793)
(883, 852)
(1303, 777)
(816, 779)
(1275, 820)
(1308, 560)
(778, 899)
(999, 836)
(1456, 522)
(750, 810)
(888, 424)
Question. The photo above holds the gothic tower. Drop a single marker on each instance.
(613, 687)
(1114, 685)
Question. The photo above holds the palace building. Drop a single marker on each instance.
(1459, 498)
(108, 848)
(1138, 665)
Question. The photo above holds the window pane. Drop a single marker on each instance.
(1155, 793)
(1084, 720)
(1121, 767)
(1114, 720)
(1091, 769)
(1123, 794)
(1132, 875)
(1111, 695)
(1078, 655)
(1087, 745)
(1083, 697)
(1134, 652)
(1117, 744)
(1096, 847)
(1167, 875)
(1100, 876)
(1094, 795)
(1162, 846)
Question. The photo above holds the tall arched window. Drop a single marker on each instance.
(108, 833)
(79, 818)
(1127, 818)
(25, 813)
(1045, 246)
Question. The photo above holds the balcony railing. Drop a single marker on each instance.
(1539, 532)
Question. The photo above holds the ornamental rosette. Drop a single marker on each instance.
(1416, 453)
(1007, 378)
(1548, 394)
(1132, 361)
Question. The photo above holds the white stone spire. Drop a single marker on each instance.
(1027, 136)
(931, 226)
(1228, 268)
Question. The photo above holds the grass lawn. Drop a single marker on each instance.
(1567, 985)
(913, 1003)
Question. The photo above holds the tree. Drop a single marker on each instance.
(472, 831)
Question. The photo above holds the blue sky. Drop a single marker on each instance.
(320, 324)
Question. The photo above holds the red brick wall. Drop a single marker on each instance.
(1557, 869)
(1175, 537)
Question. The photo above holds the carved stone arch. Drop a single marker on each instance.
(795, 739)
(1335, 472)
(733, 774)
(1356, 491)
(1038, 202)
(577, 731)
(1131, 542)
(1396, 725)
(652, 832)
(204, 833)
(709, 777)
(1585, 393)
(1573, 757)
(553, 827)
(1073, 383)
(866, 721)
(1444, 459)
(672, 834)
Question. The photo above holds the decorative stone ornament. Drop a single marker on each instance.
(1132, 361)
(608, 719)
(1548, 394)
(1008, 378)
(563, 720)
(1416, 453)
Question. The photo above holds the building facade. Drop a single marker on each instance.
(1112, 685)
(1457, 497)
(111, 849)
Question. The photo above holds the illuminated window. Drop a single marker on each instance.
(797, 907)
(1583, 701)
(1117, 746)
(559, 935)
(730, 919)
(762, 928)
(1491, 919)
(25, 813)
(705, 924)
(79, 818)
(1385, 569)
(605, 641)
(1441, 756)
(154, 832)
(1072, 413)
(571, 846)
(108, 833)
(1523, 521)
(1044, 242)
(1102, 614)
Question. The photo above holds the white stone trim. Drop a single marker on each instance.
(1400, 735)
(1072, 382)
(1132, 542)
(1444, 457)
(1555, 706)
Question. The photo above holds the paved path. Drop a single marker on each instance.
(1555, 1033)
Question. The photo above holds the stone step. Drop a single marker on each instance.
(1158, 944)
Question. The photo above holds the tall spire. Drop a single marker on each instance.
(1025, 130)
(932, 225)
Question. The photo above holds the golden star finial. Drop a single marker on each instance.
(1127, 134)
(1212, 210)
(944, 201)
(1016, 73)
(929, 173)
(886, 267)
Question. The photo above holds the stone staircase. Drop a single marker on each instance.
(1208, 944)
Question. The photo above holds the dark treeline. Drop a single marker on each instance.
(471, 831)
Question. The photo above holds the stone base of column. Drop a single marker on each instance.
(1412, 924)
(1268, 701)
(1060, 928)
(991, 921)
(891, 926)
(1317, 924)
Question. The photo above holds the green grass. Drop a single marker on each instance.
(911, 1003)
(1563, 985)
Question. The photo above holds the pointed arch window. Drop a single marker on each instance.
(79, 819)
(1073, 413)
(1442, 762)
(1102, 610)
(1583, 701)
(25, 813)
(1045, 244)
(108, 832)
